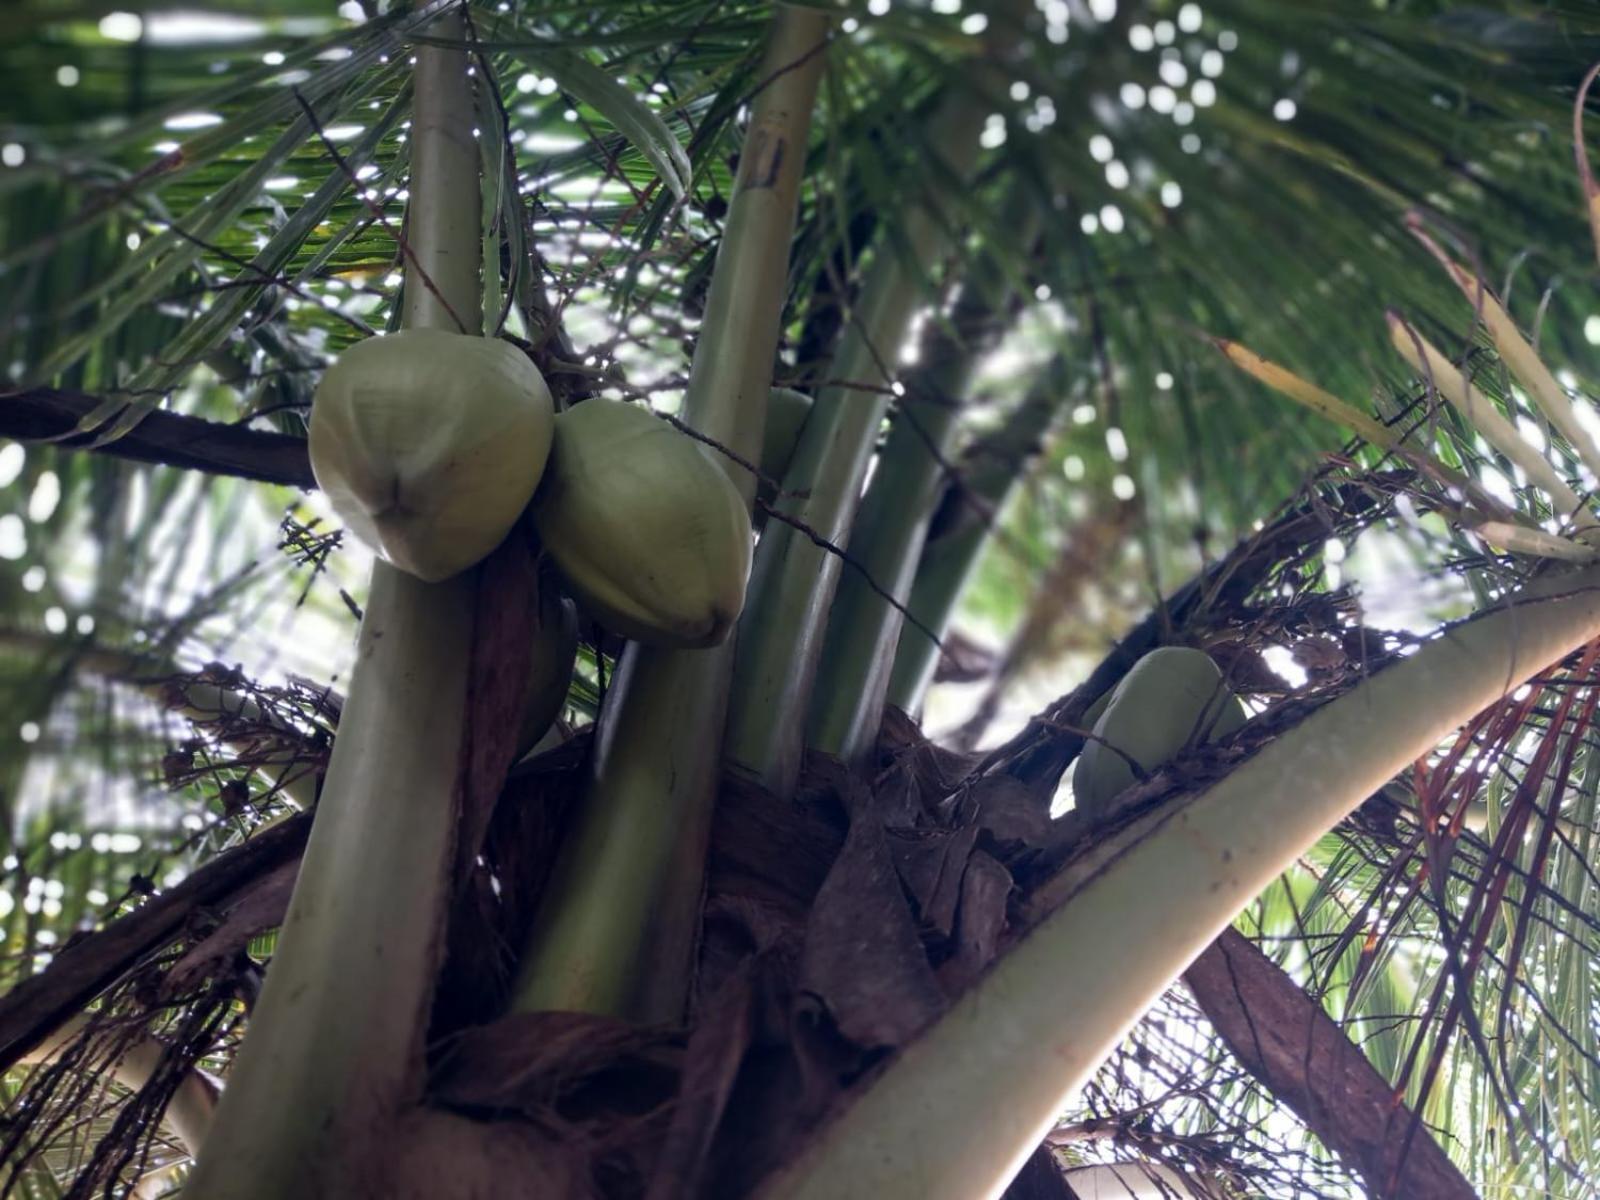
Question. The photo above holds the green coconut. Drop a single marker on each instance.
(1173, 698)
(787, 411)
(428, 445)
(650, 534)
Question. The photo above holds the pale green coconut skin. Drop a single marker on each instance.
(429, 444)
(787, 411)
(651, 536)
(1174, 697)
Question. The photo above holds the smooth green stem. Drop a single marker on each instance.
(333, 1051)
(617, 933)
(961, 1108)
(863, 628)
(441, 279)
(794, 579)
(990, 471)
(614, 935)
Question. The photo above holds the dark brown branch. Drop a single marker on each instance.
(37, 1006)
(169, 438)
(1284, 1038)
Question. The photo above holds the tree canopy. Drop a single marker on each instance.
(200, 208)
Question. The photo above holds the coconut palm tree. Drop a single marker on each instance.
(1045, 346)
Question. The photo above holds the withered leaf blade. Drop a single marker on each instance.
(930, 863)
(722, 1033)
(933, 770)
(433, 1155)
(862, 955)
(981, 921)
(1014, 814)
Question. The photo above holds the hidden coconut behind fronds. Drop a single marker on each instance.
(555, 649)
(787, 411)
(1174, 697)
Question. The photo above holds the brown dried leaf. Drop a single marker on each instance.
(985, 890)
(771, 850)
(934, 770)
(433, 1155)
(1014, 814)
(862, 955)
(930, 863)
(722, 1034)
(734, 929)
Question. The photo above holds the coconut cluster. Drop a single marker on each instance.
(430, 445)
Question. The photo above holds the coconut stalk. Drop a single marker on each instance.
(955, 1115)
(333, 1050)
(863, 628)
(616, 932)
(990, 470)
(793, 582)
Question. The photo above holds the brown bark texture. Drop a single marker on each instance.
(1285, 1039)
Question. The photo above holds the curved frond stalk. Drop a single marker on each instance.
(188, 1114)
(617, 931)
(1519, 539)
(948, 559)
(956, 1114)
(333, 1049)
(863, 628)
(793, 584)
